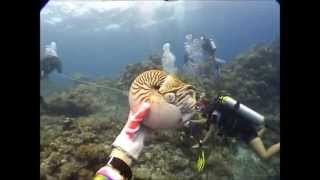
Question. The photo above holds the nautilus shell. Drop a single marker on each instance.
(172, 101)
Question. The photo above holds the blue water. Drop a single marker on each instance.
(234, 26)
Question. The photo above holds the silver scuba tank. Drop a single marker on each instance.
(243, 110)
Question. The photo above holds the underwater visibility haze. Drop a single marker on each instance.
(227, 48)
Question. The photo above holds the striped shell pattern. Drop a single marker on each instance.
(170, 98)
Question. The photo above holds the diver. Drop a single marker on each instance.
(228, 117)
(48, 64)
(209, 47)
(50, 61)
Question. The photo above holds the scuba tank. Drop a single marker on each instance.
(241, 109)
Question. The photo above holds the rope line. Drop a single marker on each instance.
(94, 84)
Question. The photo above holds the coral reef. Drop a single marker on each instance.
(254, 78)
(75, 153)
(78, 130)
(80, 101)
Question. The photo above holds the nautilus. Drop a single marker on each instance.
(172, 101)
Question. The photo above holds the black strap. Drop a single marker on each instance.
(272, 128)
(237, 106)
(120, 165)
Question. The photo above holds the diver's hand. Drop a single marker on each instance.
(186, 119)
(42, 73)
(132, 136)
(196, 146)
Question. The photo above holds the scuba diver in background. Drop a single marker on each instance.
(48, 64)
(50, 61)
(228, 117)
(209, 47)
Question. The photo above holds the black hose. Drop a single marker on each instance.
(273, 129)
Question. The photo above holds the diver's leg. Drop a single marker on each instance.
(260, 149)
(206, 137)
(195, 132)
(43, 103)
(261, 132)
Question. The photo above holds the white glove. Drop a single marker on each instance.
(132, 136)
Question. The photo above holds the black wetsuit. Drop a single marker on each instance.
(207, 47)
(230, 123)
(49, 64)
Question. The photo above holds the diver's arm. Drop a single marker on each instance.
(216, 115)
(128, 144)
(110, 172)
(261, 132)
(206, 137)
(200, 121)
(121, 155)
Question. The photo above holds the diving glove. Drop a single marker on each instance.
(132, 136)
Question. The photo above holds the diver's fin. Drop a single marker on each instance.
(220, 60)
